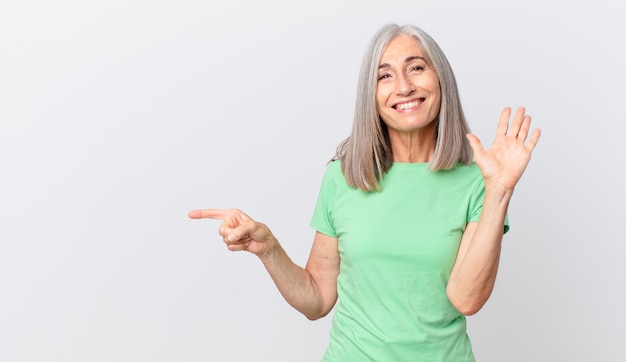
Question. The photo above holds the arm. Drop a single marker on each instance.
(474, 273)
(311, 290)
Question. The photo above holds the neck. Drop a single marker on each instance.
(412, 148)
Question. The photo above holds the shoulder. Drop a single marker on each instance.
(471, 167)
(461, 171)
(470, 170)
(334, 180)
(467, 177)
(471, 176)
(334, 165)
(333, 170)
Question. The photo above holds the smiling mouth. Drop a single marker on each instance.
(407, 105)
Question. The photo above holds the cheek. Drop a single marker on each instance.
(383, 92)
(437, 95)
(436, 87)
(379, 93)
(380, 102)
(436, 98)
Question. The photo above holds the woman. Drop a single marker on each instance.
(410, 215)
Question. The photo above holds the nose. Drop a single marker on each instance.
(404, 85)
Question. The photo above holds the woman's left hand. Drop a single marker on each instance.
(503, 164)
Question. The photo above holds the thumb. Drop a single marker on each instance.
(475, 143)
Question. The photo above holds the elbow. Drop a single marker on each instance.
(321, 310)
(468, 310)
(316, 315)
(469, 304)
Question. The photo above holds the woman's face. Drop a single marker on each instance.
(408, 96)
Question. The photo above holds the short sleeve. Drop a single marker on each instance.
(322, 214)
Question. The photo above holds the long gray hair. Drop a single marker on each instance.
(366, 154)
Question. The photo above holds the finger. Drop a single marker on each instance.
(503, 124)
(475, 143)
(518, 119)
(239, 233)
(225, 230)
(523, 131)
(207, 214)
(238, 247)
(237, 244)
(534, 138)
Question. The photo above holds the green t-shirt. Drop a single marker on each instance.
(397, 249)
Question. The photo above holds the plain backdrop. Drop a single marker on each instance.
(118, 117)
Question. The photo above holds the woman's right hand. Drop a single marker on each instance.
(240, 231)
(311, 290)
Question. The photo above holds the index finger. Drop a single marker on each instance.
(503, 123)
(207, 214)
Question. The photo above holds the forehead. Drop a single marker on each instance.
(402, 47)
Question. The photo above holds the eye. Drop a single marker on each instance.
(417, 68)
(384, 76)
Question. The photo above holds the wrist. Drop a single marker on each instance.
(270, 250)
(497, 194)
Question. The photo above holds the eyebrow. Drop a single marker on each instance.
(407, 60)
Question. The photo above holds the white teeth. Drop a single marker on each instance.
(407, 105)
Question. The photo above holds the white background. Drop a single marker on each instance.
(118, 117)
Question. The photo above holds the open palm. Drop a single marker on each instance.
(503, 164)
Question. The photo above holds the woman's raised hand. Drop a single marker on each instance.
(239, 231)
(503, 164)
